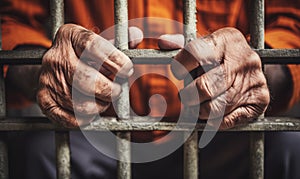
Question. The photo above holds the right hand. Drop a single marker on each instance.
(76, 76)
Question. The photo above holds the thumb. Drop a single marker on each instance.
(135, 37)
(171, 41)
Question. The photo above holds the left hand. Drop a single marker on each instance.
(234, 78)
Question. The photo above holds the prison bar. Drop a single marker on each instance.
(62, 138)
(123, 104)
(276, 56)
(3, 146)
(144, 124)
(190, 147)
(150, 56)
(57, 15)
(257, 41)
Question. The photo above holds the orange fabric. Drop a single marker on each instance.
(23, 23)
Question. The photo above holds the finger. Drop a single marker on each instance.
(93, 49)
(135, 36)
(71, 100)
(86, 105)
(206, 87)
(171, 41)
(103, 54)
(50, 108)
(221, 105)
(209, 51)
(58, 114)
(90, 82)
(241, 115)
(200, 52)
(74, 73)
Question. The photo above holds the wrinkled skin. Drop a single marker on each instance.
(233, 86)
(94, 61)
(235, 77)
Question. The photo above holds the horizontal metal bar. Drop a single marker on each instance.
(150, 56)
(279, 56)
(21, 57)
(146, 124)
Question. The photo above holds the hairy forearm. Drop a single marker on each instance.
(281, 87)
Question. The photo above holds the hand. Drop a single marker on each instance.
(76, 76)
(231, 84)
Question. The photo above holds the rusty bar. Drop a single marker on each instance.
(141, 56)
(62, 155)
(123, 104)
(257, 41)
(191, 156)
(3, 146)
(57, 15)
(3, 160)
(2, 85)
(62, 140)
(257, 155)
(190, 152)
(121, 24)
(124, 152)
(189, 18)
(144, 123)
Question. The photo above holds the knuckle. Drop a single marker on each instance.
(265, 96)
(203, 89)
(228, 123)
(121, 63)
(44, 100)
(231, 36)
(48, 55)
(43, 80)
(231, 33)
(63, 33)
(88, 108)
(253, 57)
(73, 34)
(204, 111)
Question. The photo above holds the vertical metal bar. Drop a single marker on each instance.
(257, 41)
(57, 15)
(121, 24)
(2, 85)
(191, 145)
(124, 165)
(62, 155)
(191, 156)
(3, 146)
(3, 160)
(123, 106)
(62, 140)
(257, 155)
(189, 18)
(257, 26)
